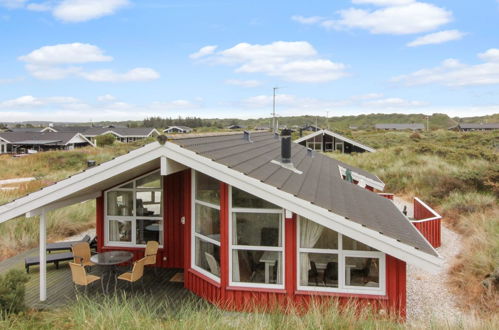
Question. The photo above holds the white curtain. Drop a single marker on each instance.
(310, 232)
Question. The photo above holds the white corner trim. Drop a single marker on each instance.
(361, 178)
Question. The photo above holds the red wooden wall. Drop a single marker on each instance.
(172, 253)
(431, 228)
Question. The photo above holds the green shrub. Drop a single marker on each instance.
(12, 291)
(105, 140)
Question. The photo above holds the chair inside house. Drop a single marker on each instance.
(313, 273)
(136, 274)
(213, 264)
(151, 253)
(80, 276)
(82, 254)
(331, 274)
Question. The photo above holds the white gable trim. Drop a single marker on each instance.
(362, 179)
(299, 206)
(4, 140)
(336, 135)
(79, 138)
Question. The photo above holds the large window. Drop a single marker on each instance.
(328, 261)
(134, 212)
(206, 225)
(256, 242)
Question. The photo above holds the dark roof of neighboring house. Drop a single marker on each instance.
(336, 135)
(479, 126)
(32, 138)
(24, 129)
(70, 129)
(399, 126)
(185, 128)
(122, 131)
(310, 127)
(319, 183)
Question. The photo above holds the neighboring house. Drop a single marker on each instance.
(252, 220)
(236, 127)
(122, 134)
(400, 127)
(178, 129)
(21, 142)
(312, 128)
(328, 141)
(465, 127)
(262, 128)
(24, 129)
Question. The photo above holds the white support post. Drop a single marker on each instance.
(43, 257)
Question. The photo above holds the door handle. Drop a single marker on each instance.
(182, 220)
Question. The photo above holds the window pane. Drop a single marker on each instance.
(351, 244)
(362, 272)
(257, 266)
(257, 229)
(207, 256)
(313, 235)
(243, 199)
(120, 203)
(207, 189)
(319, 269)
(151, 181)
(148, 203)
(120, 231)
(208, 222)
(149, 230)
(127, 186)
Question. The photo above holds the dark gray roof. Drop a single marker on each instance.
(319, 183)
(70, 129)
(479, 126)
(185, 128)
(399, 126)
(24, 129)
(29, 138)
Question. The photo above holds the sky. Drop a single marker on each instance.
(94, 60)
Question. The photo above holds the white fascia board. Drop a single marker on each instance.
(82, 138)
(344, 138)
(63, 203)
(4, 140)
(306, 137)
(299, 206)
(153, 131)
(359, 177)
(80, 181)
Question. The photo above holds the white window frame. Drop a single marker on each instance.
(342, 254)
(233, 247)
(195, 235)
(133, 218)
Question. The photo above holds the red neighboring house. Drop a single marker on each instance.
(253, 220)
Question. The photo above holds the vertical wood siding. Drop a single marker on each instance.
(431, 229)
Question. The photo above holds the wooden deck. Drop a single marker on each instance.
(61, 291)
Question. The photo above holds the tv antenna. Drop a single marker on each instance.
(273, 111)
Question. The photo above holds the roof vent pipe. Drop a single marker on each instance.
(286, 146)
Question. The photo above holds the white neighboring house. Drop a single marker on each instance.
(177, 129)
(328, 141)
(15, 142)
(122, 134)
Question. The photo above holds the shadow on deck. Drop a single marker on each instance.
(157, 287)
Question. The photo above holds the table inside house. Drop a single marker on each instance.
(110, 260)
(321, 260)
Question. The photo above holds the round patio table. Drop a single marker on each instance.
(110, 260)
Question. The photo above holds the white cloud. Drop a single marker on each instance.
(243, 83)
(437, 38)
(394, 17)
(106, 98)
(33, 102)
(39, 6)
(307, 20)
(204, 51)
(137, 74)
(394, 102)
(296, 61)
(66, 53)
(65, 60)
(5, 81)
(85, 10)
(451, 72)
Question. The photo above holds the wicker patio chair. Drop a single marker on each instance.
(150, 254)
(136, 274)
(82, 254)
(80, 277)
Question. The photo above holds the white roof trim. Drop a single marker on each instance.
(361, 178)
(4, 140)
(154, 150)
(336, 135)
(70, 141)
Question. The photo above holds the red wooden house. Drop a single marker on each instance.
(253, 220)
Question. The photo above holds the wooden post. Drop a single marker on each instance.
(43, 257)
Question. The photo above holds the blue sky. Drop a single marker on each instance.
(81, 60)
